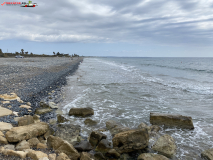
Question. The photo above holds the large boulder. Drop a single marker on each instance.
(25, 120)
(171, 120)
(165, 145)
(151, 156)
(82, 112)
(96, 137)
(17, 134)
(152, 130)
(115, 127)
(131, 140)
(208, 154)
(61, 146)
(68, 132)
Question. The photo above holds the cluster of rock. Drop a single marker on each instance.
(37, 140)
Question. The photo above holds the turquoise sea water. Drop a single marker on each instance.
(128, 89)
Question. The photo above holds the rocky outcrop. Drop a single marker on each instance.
(96, 137)
(115, 127)
(83, 146)
(26, 120)
(151, 156)
(68, 132)
(90, 122)
(165, 145)
(171, 120)
(62, 156)
(17, 134)
(61, 146)
(152, 130)
(131, 140)
(208, 154)
(81, 112)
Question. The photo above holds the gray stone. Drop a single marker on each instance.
(22, 145)
(103, 146)
(81, 112)
(96, 137)
(90, 122)
(83, 146)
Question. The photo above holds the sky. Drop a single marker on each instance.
(126, 28)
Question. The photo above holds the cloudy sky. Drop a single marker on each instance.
(143, 28)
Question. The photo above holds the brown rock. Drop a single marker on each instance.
(165, 145)
(96, 137)
(41, 146)
(171, 120)
(17, 134)
(99, 156)
(103, 146)
(52, 156)
(61, 119)
(208, 154)
(36, 155)
(62, 156)
(3, 140)
(83, 146)
(1, 134)
(61, 146)
(86, 156)
(19, 154)
(42, 110)
(113, 153)
(90, 122)
(151, 156)
(26, 120)
(11, 96)
(5, 126)
(82, 112)
(25, 106)
(131, 140)
(33, 142)
(22, 145)
(5, 112)
(115, 127)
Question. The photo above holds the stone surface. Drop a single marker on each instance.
(42, 110)
(68, 132)
(62, 156)
(28, 103)
(33, 142)
(5, 126)
(1, 134)
(165, 145)
(115, 127)
(151, 156)
(25, 120)
(22, 145)
(113, 153)
(171, 120)
(36, 118)
(96, 137)
(82, 112)
(83, 146)
(61, 119)
(11, 96)
(5, 112)
(44, 104)
(19, 154)
(25, 106)
(90, 122)
(61, 146)
(17, 134)
(131, 140)
(86, 156)
(103, 146)
(99, 156)
(41, 146)
(5, 102)
(52, 156)
(53, 105)
(3, 140)
(208, 154)
(9, 146)
(44, 158)
(36, 155)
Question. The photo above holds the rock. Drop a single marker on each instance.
(165, 145)
(28, 103)
(131, 140)
(17, 134)
(48, 133)
(5, 102)
(103, 146)
(113, 153)
(19, 154)
(90, 122)
(99, 156)
(68, 132)
(25, 106)
(83, 146)
(125, 156)
(86, 156)
(53, 105)
(208, 154)
(52, 156)
(36, 118)
(15, 113)
(44, 104)
(44, 158)
(11, 96)
(115, 127)
(42, 110)
(22, 145)
(82, 112)
(5, 112)
(3, 140)
(151, 156)
(5, 126)
(9, 147)
(1, 134)
(26, 120)
(41, 146)
(36, 155)
(62, 156)
(171, 120)
(61, 146)
(52, 121)
(33, 142)
(61, 119)
(96, 137)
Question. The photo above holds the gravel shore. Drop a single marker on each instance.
(32, 79)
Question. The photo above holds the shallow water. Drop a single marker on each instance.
(128, 89)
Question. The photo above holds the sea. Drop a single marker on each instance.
(128, 89)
